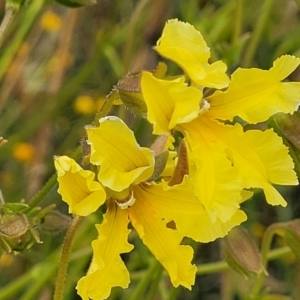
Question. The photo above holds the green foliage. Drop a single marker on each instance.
(51, 55)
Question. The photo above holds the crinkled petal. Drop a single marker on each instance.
(255, 95)
(259, 156)
(183, 44)
(77, 187)
(164, 243)
(107, 269)
(180, 204)
(217, 183)
(123, 162)
(169, 102)
(262, 160)
(216, 76)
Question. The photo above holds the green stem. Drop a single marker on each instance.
(238, 21)
(145, 281)
(257, 33)
(152, 293)
(211, 268)
(42, 193)
(265, 249)
(63, 265)
(104, 110)
(29, 17)
(9, 15)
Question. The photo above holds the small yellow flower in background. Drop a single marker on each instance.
(50, 21)
(23, 152)
(85, 105)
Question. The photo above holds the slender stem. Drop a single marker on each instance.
(211, 268)
(145, 281)
(64, 260)
(42, 193)
(238, 21)
(152, 293)
(265, 249)
(257, 33)
(105, 108)
(31, 13)
(10, 13)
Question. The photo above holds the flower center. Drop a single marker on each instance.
(204, 106)
(124, 199)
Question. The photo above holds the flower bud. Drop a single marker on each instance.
(16, 233)
(182, 166)
(241, 253)
(130, 93)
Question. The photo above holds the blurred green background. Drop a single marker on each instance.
(56, 66)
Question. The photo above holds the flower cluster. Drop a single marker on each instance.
(225, 161)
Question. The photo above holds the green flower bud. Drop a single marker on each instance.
(16, 233)
(241, 253)
(129, 90)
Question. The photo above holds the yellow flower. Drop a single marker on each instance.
(77, 187)
(85, 105)
(227, 159)
(23, 152)
(50, 21)
(124, 168)
(183, 44)
(123, 162)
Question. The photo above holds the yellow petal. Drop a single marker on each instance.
(217, 182)
(164, 243)
(255, 95)
(260, 157)
(77, 187)
(180, 204)
(123, 162)
(107, 269)
(263, 160)
(183, 44)
(169, 102)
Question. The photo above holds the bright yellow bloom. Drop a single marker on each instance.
(226, 158)
(148, 206)
(123, 162)
(77, 187)
(183, 44)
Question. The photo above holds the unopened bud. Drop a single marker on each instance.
(241, 253)
(289, 125)
(16, 233)
(54, 221)
(161, 156)
(130, 93)
(182, 166)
